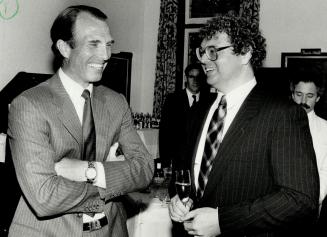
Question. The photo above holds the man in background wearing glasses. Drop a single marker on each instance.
(251, 155)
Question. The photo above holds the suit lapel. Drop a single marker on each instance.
(66, 110)
(101, 119)
(185, 100)
(230, 143)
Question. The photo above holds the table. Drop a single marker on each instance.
(150, 138)
(153, 219)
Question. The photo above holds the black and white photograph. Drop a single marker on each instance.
(163, 118)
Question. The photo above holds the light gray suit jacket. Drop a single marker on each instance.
(43, 129)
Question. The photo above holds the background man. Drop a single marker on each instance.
(176, 110)
(252, 160)
(60, 134)
(306, 88)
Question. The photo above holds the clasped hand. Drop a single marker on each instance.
(199, 222)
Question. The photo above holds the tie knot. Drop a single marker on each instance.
(86, 94)
(223, 102)
(194, 97)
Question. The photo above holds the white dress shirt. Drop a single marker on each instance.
(318, 129)
(234, 100)
(190, 96)
(75, 91)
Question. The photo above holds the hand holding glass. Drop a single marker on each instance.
(183, 185)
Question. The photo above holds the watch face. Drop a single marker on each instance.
(91, 173)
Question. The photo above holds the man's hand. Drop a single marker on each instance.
(202, 222)
(71, 169)
(112, 154)
(177, 210)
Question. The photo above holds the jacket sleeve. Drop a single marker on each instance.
(136, 171)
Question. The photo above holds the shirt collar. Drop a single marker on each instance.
(311, 114)
(73, 89)
(189, 93)
(238, 95)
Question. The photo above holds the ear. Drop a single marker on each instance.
(63, 48)
(318, 98)
(246, 57)
(293, 97)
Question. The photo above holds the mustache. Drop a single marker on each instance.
(305, 106)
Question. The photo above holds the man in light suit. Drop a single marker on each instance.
(263, 179)
(64, 195)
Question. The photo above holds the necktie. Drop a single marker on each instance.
(88, 129)
(213, 140)
(194, 100)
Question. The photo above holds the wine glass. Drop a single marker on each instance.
(183, 185)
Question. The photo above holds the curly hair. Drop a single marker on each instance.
(243, 35)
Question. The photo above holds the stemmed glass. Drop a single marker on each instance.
(183, 185)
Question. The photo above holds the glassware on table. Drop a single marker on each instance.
(183, 185)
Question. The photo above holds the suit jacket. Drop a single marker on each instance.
(43, 129)
(264, 179)
(174, 115)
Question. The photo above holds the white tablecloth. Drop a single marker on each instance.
(153, 221)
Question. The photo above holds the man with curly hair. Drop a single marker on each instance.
(250, 152)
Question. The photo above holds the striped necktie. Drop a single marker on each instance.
(89, 137)
(213, 140)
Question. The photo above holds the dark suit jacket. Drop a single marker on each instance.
(264, 179)
(174, 115)
(43, 129)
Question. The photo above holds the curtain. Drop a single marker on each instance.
(166, 54)
(165, 80)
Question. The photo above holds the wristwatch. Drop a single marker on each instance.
(91, 172)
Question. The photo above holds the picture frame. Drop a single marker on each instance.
(199, 11)
(309, 61)
(191, 42)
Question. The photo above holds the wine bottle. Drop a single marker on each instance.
(158, 177)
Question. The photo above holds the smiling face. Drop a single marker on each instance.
(306, 95)
(86, 61)
(223, 73)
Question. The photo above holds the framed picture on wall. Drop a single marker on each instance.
(312, 62)
(199, 11)
(191, 42)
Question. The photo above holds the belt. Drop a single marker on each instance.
(95, 225)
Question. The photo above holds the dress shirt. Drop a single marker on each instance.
(190, 96)
(318, 129)
(75, 91)
(234, 100)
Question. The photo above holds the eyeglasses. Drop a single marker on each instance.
(210, 51)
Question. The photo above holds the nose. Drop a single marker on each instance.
(304, 99)
(105, 53)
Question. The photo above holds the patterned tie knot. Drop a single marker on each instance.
(86, 94)
(222, 107)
